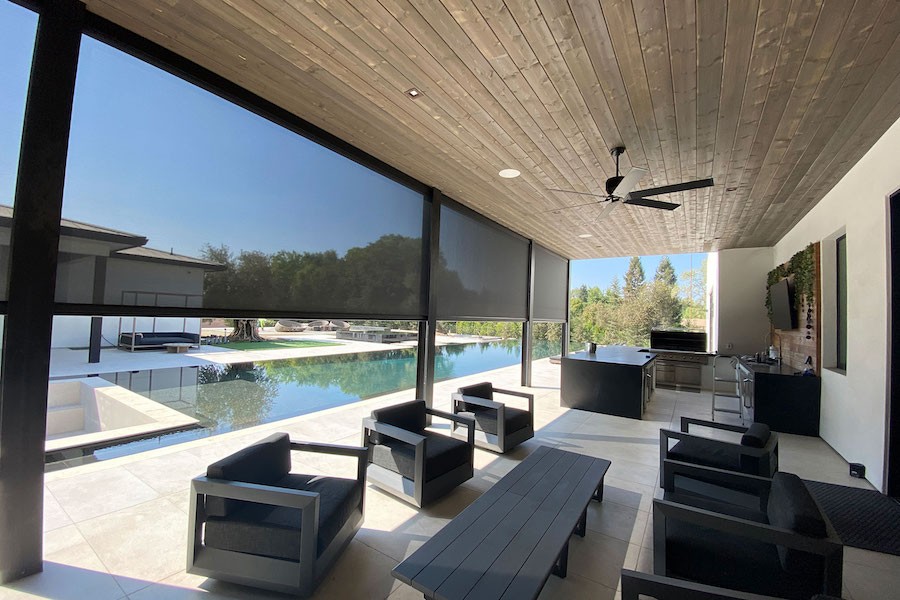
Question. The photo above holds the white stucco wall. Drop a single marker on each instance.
(854, 404)
(741, 322)
(142, 276)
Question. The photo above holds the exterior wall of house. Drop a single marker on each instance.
(854, 402)
(183, 285)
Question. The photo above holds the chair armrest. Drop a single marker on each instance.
(530, 397)
(457, 397)
(666, 434)
(762, 532)
(635, 584)
(403, 435)
(361, 453)
(469, 422)
(337, 449)
(688, 421)
(253, 492)
(732, 480)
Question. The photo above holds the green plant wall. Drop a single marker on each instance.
(802, 266)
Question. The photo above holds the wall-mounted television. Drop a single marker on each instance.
(782, 296)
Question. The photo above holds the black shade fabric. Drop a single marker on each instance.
(483, 270)
(551, 281)
(207, 205)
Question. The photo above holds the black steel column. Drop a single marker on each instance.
(564, 347)
(527, 333)
(428, 327)
(32, 283)
(98, 298)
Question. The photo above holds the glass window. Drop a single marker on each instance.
(841, 279)
(18, 27)
(177, 198)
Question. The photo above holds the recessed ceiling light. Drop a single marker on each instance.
(509, 173)
(731, 189)
(413, 93)
(585, 235)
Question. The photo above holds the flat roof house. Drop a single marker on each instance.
(426, 160)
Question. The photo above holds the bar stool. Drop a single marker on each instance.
(733, 393)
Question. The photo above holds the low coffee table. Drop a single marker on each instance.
(177, 347)
(508, 542)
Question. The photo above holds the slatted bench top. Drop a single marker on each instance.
(506, 543)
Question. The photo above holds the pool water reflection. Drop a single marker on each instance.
(236, 396)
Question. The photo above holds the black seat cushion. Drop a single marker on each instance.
(734, 562)
(479, 390)
(266, 462)
(791, 506)
(442, 454)
(274, 531)
(706, 452)
(756, 435)
(486, 418)
(410, 416)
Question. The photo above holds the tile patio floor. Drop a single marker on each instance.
(118, 528)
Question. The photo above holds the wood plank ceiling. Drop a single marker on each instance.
(775, 99)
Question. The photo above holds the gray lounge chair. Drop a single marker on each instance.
(498, 427)
(254, 522)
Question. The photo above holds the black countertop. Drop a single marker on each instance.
(615, 355)
(768, 368)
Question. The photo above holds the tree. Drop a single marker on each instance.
(634, 277)
(665, 272)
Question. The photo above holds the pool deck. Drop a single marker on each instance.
(118, 528)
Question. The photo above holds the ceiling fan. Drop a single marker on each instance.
(619, 188)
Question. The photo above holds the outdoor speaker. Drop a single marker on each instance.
(857, 470)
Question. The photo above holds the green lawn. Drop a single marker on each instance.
(275, 344)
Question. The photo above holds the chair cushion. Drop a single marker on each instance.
(479, 390)
(442, 454)
(734, 562)
(706, 452)
(410, 416)
(274, 531)
(486, 418)
(265, 462)
(791, 506)
(756, 435)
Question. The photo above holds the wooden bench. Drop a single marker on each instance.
(508, 542)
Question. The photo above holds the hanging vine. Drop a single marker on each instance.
(802, 267)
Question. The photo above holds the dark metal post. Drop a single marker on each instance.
(97, 322)
(428, 327)
(564, 349)
(32, 283)
(527, 332)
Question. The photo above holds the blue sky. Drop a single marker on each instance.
(600, 272)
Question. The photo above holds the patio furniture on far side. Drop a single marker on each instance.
(412, 463)
(255, 523)
(498, 427)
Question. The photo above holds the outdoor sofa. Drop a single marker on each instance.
(156, 339)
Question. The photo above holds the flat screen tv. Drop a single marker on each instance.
(783, 314)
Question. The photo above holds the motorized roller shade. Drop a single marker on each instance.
(551, 281)
(483, 270)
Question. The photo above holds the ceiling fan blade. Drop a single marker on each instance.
(630, 180)
(556, 210)
(651, 203)
(668, 189)
(604, 212)
(574, 192)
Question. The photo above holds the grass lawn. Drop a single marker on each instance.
(275, 344)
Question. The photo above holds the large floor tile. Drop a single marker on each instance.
(100, 493)
(54, 515)
(170, 473)
(141, 544)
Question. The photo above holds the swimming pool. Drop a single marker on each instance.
(236, 396)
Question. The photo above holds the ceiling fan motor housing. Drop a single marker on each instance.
(612, 183)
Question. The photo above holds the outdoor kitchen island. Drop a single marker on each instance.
(613, 380)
